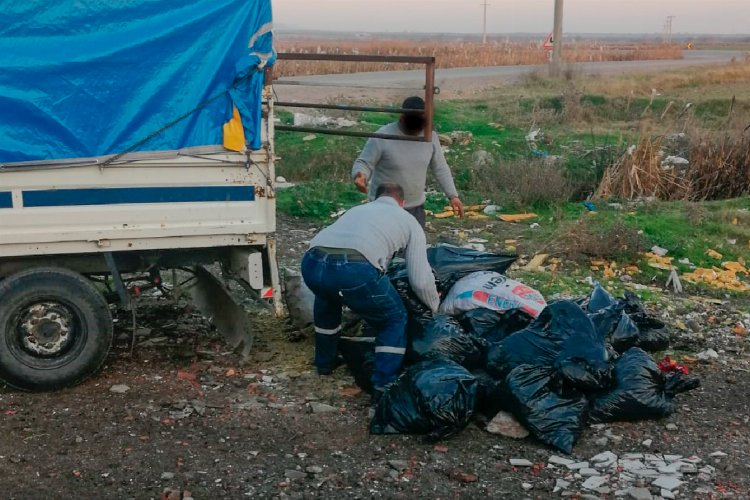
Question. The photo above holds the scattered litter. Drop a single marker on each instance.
(675, 161)
(535, 225)
(517, 217)
(119, 389)
(713, 254)
(707, 355)
(659, 251)
(491, 209)
(537, 262)
(309, 137)
(494, 291)
(520, 462)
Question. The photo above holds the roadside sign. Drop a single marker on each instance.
(549, 42)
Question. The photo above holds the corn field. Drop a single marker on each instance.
(455, 54)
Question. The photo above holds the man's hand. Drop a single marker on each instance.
(457, 206)
(361, 182)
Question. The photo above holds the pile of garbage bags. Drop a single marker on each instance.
(555, 366)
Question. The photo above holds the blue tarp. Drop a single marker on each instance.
(85, 78)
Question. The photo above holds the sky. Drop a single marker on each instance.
(513, 16)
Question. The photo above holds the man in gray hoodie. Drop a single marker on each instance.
(406, 163)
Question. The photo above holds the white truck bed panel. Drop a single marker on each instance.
(177, 202)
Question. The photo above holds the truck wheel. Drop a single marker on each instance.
(55, 329)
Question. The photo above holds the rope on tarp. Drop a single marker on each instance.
(174, 122)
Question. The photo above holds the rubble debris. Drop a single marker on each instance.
(506, 425)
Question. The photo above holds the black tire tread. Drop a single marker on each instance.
(95, 299)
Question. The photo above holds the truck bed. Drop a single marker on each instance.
(196, 198)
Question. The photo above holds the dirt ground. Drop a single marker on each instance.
(197, 421)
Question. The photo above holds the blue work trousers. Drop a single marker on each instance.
(336, 281)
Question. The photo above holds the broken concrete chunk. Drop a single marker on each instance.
(606, 456)
(595, 482)
(639, 493)
(554, 459)
(506, 425)
(578, 465)
(670, 483)
(520, 462)
(316, 407)
(294, 474)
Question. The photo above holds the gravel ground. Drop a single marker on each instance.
(184, 418)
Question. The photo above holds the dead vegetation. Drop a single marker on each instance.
(525, 183)
(718, 167)
(585, 238)
(454, 54)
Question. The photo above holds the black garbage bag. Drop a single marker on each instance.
(637, 329)
(492, 395)
(437, 398)
(556, 420)
(443, 337)
(561, 337)
(414, 306)
(359, 355)
(450, 263)
(606, 320)
(494, 326)
(598, 299)
(640, 391)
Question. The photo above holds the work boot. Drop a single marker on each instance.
(328, 370)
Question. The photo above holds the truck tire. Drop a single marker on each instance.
(55, 329)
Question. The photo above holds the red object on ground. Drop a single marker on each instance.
(668, 365)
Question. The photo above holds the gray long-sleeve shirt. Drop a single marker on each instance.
(379, 230)
(404, 163)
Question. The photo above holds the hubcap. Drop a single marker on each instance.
(46, 328)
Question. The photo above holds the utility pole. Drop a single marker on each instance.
(557, 38)
(484, 24)
(668, 29)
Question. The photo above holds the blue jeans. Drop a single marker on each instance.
(338, 282)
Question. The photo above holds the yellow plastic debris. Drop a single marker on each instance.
(632, 269)
(234, 133)
(477, 216)
(737, 267)
(735, 221)
(598, 262)
(713, 254)
(717, 278)
(657, 262)
(444, 215)
(517, 217)
(536, 262)
(511, 242)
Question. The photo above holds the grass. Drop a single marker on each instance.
(586, 125)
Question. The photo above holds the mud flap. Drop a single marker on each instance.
(217, 304)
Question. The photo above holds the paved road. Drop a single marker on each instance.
(457, 81)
